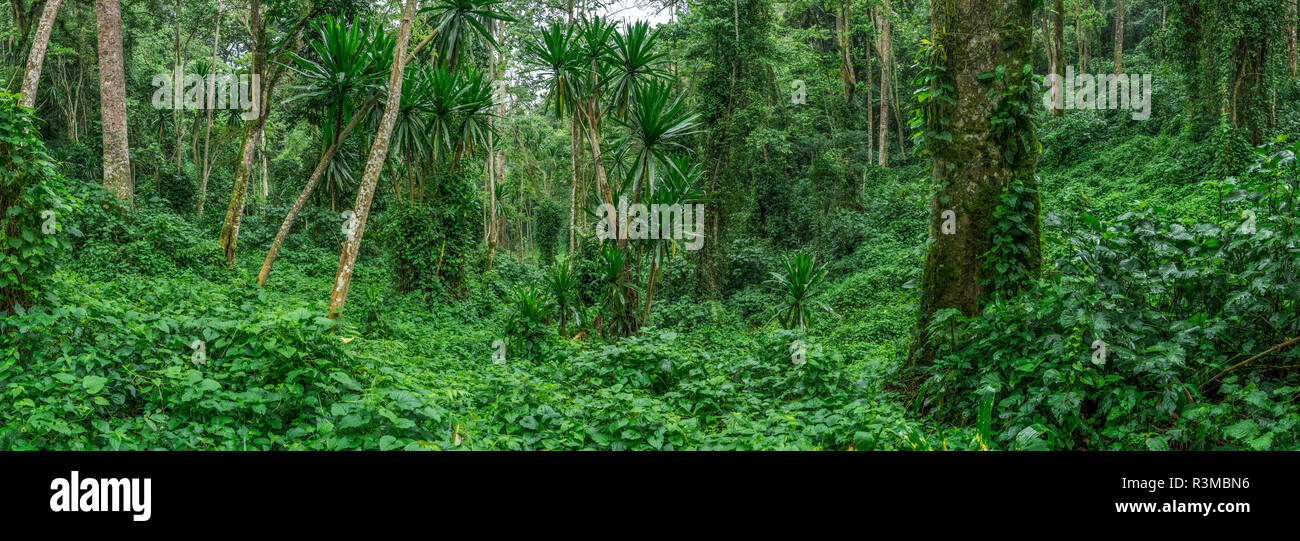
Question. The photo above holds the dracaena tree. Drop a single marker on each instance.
(457, 21)
(346, 64)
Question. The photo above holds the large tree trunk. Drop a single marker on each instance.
(983, 161)
(112, 99)
(37, 56)
(1119, 36)
(374, 166)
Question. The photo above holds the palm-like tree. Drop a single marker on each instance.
(458, 20)
(800, 282)
(635, 64)
(558, 53)
(347, 59)
(563, 285)
(657, 124)
(679, 186)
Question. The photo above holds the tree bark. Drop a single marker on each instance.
(843, 27)
(1119, 36)
(206, 168)
(36, 58)
(374, 166)
(885, 48)
(983, 161)
(1058, 55)
(1291, 37)
(112, 98)
(307, 190)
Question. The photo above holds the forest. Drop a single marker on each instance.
(649, 225)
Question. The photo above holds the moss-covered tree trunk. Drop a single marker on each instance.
(36, 58)
(992, 152)
(112, 99)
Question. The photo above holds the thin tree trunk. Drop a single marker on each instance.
(842, 30)
(112, 98)
(1058, 56)
(885, 48)
(37, 56)
(298, 205)
(1119, 36)
(1291, 37)
(374, 166)
(178, 85)
(208, 101)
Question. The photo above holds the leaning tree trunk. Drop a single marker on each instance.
(37, 57)
(374, 166)
(112, 99)
(1119, 36)
(306, 194)
(983, 161)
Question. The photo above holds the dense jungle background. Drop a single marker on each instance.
(399, 237)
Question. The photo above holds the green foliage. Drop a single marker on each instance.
(1125, 344)
(527, 324)
(33, 200)
(798, 286)
(431, 242)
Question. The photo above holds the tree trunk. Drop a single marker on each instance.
(37, 56)
(983, 161)
(490, 225)
(374, 166)
(206, 168)
(298, 205)
(1291, 37)
(1058, 56)
(178, 85)
(1119, 36)
(252, 128)
(112, 98)
(247, 148)
(842, 29)
(885, 48)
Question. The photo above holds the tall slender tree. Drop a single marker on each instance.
(374, 166)
(1119, 36)
(112, 99)
(36, 58)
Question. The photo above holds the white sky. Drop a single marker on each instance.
(627, 10)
